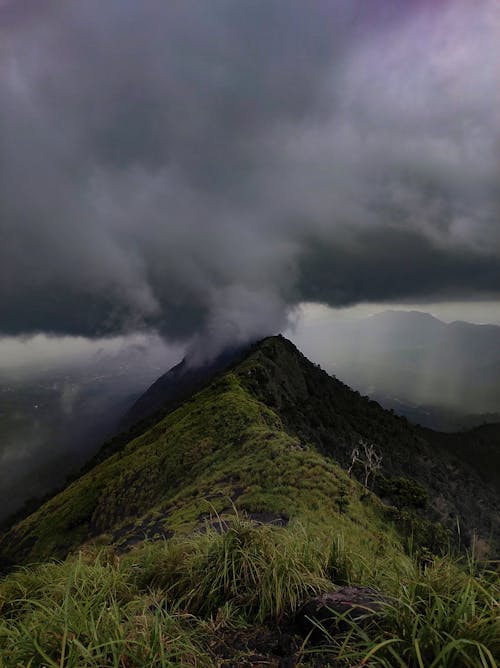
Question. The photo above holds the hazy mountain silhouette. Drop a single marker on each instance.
(411, 361)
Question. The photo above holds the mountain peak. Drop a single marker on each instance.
(271, 434)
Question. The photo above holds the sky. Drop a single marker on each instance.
(199, 170)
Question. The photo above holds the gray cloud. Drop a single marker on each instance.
(203, 167)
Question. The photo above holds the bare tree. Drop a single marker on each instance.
(369, 459)
(354, 458)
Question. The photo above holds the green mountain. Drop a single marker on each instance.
(272, 436)
(220, 531)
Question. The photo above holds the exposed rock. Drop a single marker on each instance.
(224, 520)
(330, 613)
(266, 517)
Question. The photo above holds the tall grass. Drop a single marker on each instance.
(162, 604)
(265, 572)
(83, 614)
(441, 615)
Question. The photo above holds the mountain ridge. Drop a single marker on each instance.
(177, 384)
(266, 418)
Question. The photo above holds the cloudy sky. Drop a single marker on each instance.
(199, 168)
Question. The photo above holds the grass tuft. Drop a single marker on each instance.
(440, 616)
(175, 603)
(266, 572)
(86, 613)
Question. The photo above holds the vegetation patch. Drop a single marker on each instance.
(222, 599)
(196, 542)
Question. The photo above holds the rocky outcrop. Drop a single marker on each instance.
(332, 612)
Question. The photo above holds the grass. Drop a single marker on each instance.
(438, 615)
(167, 603)
(263, 572)
(222, 448)
(86, 612)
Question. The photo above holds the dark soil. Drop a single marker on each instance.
(255, 646)
(277, 647)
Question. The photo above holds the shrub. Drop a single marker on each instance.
(423, 535)
(403, 492)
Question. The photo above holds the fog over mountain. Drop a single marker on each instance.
(60, 402)
(192, 172)
(443, 375)
(201, 168)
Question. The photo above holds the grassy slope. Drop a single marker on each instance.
(222, 447)
(229, 600)
(265, 437)
(323, 411)
(207, 598)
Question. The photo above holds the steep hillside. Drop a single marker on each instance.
(479, 447)
(180, 382)
(222, 447)
(323, 411)
(246, 480)
(270, 436)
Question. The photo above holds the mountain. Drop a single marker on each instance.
(234, 528)
(273, 436)
(177, 384)
(441, 375)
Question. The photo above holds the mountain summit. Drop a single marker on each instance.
(278, 438)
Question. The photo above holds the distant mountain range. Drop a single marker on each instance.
(445, 376)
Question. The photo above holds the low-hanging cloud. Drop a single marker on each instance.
(199, 167)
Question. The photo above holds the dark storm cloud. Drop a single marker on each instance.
(195, 166)
(401, 263)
